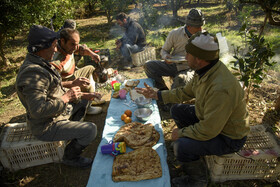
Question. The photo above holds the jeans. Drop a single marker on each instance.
(84, 132)
(128, 49)
(187, 149)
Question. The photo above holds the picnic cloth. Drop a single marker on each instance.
(101, 171)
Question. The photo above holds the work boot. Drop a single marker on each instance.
(72, 155)
(196, 175)
(94, 110)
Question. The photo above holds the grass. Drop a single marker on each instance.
(97, 33)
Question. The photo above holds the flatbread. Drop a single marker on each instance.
(137, 135)
(134, 95)
(141, 164)
(132, 83)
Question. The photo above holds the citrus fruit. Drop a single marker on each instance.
(127, 120)
(123, 116)
(128, 113)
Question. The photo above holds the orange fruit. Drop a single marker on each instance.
(123, 116)
(127, 120)
(128, 113)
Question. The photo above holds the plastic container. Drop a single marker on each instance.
(223, 46)
(122, 94)
(113, 148)
(20, 149)
(257, 160)
(140, 58)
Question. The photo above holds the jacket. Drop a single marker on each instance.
(39, 89)
(219, 105)
(134, 33)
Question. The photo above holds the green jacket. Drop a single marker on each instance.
(219, 105)
(39, 89)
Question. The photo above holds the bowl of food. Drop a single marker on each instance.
(143, 102)
(143, 114)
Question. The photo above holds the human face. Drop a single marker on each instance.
(121, 23)
(71, 45)
(50, 51)
(192, 61)
(193, 30)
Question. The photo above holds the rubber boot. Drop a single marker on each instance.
(196, 175)
(72, 155)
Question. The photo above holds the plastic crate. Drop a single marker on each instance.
(139, 59)
(20, 149)
(258, 159)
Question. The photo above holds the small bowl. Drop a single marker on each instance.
(143, 114)
(143, 102)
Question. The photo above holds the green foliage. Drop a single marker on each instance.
(112, 7)
(18, 15)
(253, 61)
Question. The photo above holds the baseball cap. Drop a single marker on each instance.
(39, 38)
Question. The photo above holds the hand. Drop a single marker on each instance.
(175, 134)
(118, 44)
(82, 82)
(148, 92)
(166, 59)
(91, 96)
(73, 94)
(95, 57)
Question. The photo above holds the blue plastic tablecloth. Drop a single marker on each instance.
(101, 171)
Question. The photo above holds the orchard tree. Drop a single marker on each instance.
(113, 7)
(18, 15)
(270, 7)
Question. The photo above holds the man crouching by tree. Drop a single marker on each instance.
(48, 105)
(217, 124)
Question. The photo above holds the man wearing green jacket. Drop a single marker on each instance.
(217, 124)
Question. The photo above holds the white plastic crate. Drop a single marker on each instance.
(20, 149)
(139, 59)
(257, 160)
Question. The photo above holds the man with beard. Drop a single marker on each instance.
(64, 62)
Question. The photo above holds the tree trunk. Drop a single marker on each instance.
(277, 105)
(4, 61)
(271, 20)
(174, 8)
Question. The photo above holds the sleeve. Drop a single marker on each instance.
(168, 45)
(218, 108)
(35, 91)
(178, 95)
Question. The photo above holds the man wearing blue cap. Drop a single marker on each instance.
(48, 105)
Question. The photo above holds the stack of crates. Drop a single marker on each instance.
(139, 59)
(20, 149)
(258, 159)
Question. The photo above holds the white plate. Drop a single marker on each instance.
(177, 60)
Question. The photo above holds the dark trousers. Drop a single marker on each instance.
(187, 149)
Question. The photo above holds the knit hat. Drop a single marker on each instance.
(195, 18)
(204, 46)
(39, 38)
(69, 23)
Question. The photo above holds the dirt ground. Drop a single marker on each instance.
(56, 174)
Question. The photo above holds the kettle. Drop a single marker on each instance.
(100, 75)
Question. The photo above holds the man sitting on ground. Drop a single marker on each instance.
(217, 124)
(64, 61)
(48, 105)
(133, 41)
(174, 47)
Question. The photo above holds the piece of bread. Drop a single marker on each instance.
(137, 135)
(141, 164)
